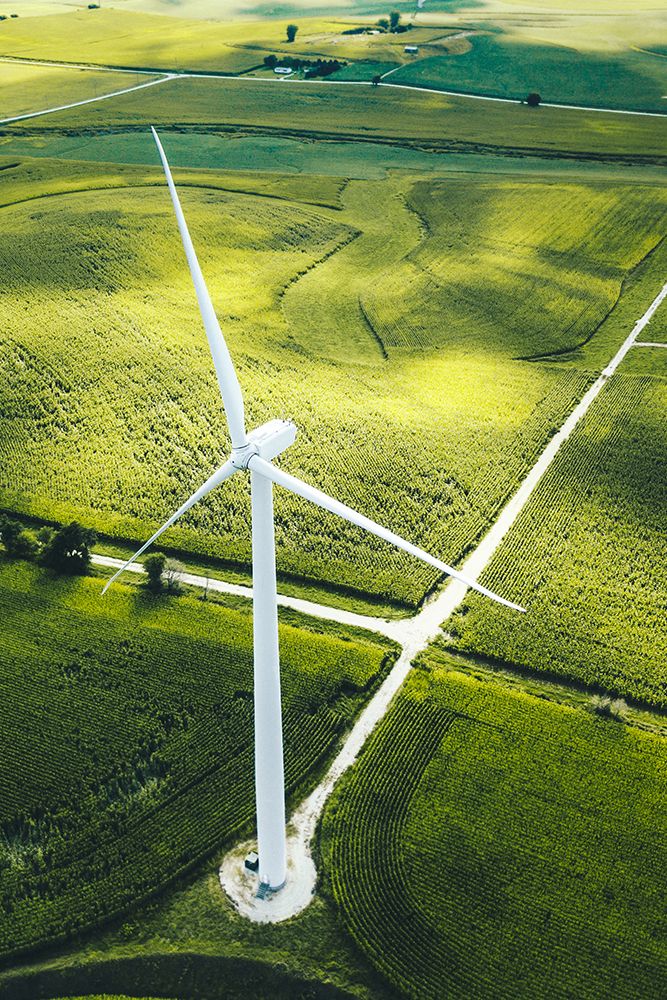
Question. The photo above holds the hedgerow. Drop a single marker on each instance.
(490, 844)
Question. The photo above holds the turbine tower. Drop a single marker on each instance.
(254, 452)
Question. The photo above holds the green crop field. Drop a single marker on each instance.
(427, 284)
(562, 75)
(128, 740)
(588, 555)
(377, 113)
(492, 844)
(122, 472)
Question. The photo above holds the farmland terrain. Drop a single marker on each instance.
(428, 284)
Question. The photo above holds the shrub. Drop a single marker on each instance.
(172, 574)
(154, 566)
(533, 100)
(18, 543)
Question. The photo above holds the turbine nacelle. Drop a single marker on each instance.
(267, 442)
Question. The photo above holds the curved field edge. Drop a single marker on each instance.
(481, 859)
(149, 372)
(142, 763)
(188, 976)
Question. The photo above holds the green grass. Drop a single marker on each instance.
(372, 113)
(96, 332)
(127, 727)
(510, 68)
(587, 555)
(283, 157)
(489, 843)
(25, 88)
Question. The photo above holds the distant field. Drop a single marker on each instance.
(113, 335)
(25, 88)
(492, 844)
(498, 66)
(415, 118)
(495, 251)
(127, 728)
(283, 157)
(588, 555)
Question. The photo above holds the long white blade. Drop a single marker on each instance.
(224, 472)
(230, 389)
(316, 496)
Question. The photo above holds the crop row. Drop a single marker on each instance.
(588, 556)
(127, 733)
(110, 411)
(491, 844)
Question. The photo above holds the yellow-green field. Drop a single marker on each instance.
(347, 302)
(363, 112)
(25, 88)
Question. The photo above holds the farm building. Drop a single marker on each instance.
(412, 49)
(283, 70)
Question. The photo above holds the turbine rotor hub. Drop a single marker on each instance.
(267, 441)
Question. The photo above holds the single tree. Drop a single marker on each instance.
(172, 575)
(68, 550)
(291, 32)
(271, 61)
(154, 566)
(394, 20)
(533, 100)
(376, 80)
(383, 22)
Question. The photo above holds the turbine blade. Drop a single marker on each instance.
(219, 476)
(230, 390)
(316, 496)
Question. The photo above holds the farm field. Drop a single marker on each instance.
(311, 109)
(427, 285)
(25, 88)
(282, 157)
(588, 555)
(129, 472)
(508, 68)
(509, 846)
(139, 765)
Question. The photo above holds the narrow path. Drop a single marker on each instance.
(260, 79)
(648, 343)
(390, 629)
(88, 100)
(416, 633)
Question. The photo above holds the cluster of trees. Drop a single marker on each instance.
(313, 67)
(66, 549)
(392, 24)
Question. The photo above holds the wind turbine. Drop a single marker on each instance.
(254, 452)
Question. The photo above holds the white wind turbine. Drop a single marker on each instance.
(254, 452)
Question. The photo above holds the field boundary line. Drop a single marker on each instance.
(88, 100)
(179, 75)
(416, 633)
